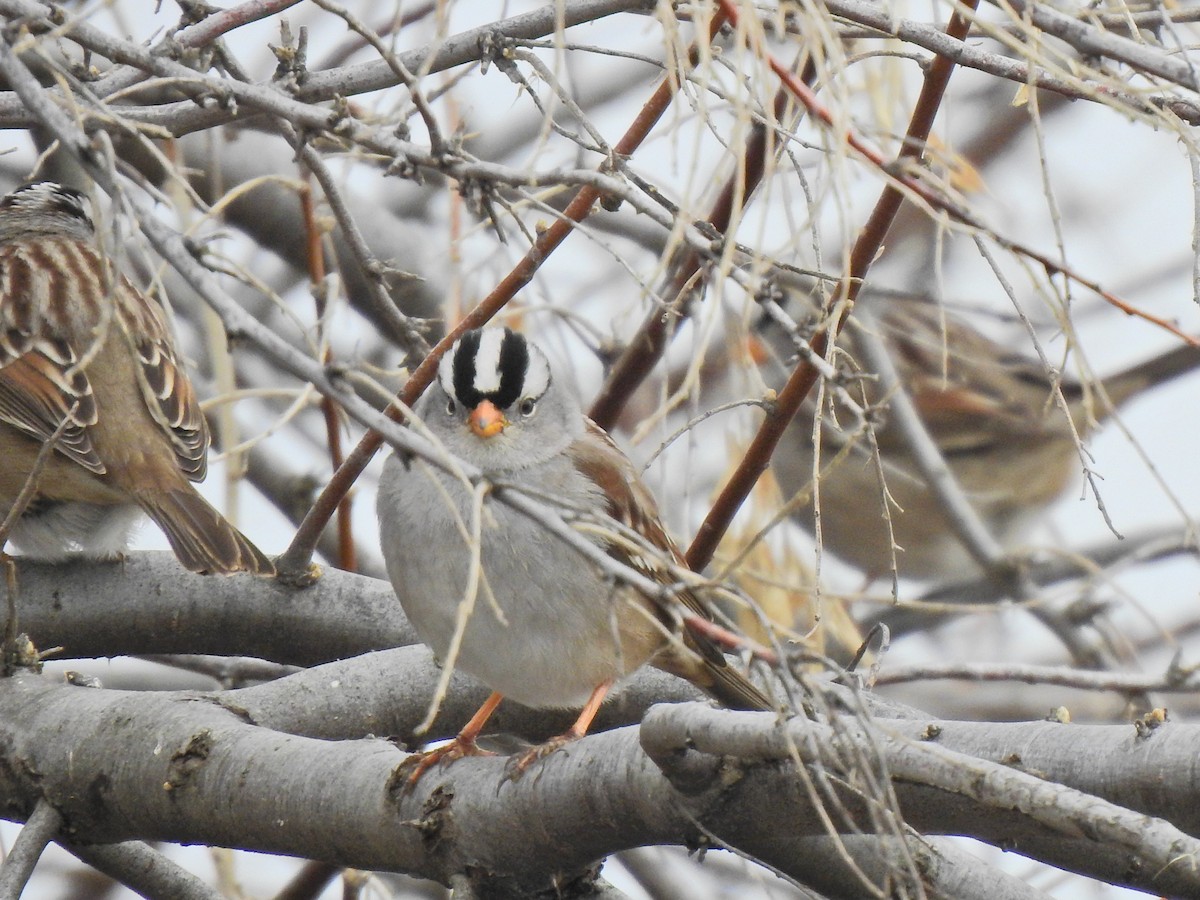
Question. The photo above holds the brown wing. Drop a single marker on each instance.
(168, 393)
(631, 504)
(970, 391)
(35, 396)
(41, 384)
(55, 298)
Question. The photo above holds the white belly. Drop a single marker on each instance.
(539, 627)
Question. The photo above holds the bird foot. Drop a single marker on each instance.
(517, 765)
(418, 764)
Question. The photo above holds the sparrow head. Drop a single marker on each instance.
(496, 377)
(45, 208)
(496, 403)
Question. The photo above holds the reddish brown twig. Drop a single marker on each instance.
(754, 461)
(866, 247)
(294, 562)
(729, 640)
(309, 882)
(223, 21)
(353, 42)
(646, 348)
(817, 109)
(870, 241)
(347, 554)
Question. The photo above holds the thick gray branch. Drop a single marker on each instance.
(219, 768)
(149, 604)
(1149, 852)
(181, 767)
(192, 767)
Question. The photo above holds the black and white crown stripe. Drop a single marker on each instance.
(495, 364)
(49, 198)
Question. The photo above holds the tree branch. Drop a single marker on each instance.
(41, 828)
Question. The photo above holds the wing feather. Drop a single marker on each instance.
(51, 287)
(632, 505)
(41, 382)
(168, 392)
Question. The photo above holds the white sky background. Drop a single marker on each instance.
(1126, 199)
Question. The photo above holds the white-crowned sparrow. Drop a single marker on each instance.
(548, 628)
(994, 417)
(80, 343)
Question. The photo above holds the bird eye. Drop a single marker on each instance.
(528, 405)
(451, 406)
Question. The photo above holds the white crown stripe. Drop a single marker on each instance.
(487, 361)
(537, 375)
(445, 371)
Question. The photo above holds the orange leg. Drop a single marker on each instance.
(472, 729)
(518, 764)
(462, 745)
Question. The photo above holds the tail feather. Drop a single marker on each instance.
(719, 680)
(203, 540)
(1151, 372)
(732, 689)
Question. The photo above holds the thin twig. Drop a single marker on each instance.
(351, 43)
(347, 557)
(223, 21)
(437, 143)
(144, 870)
(646, 348)
(309, 882)
(1091, 41)
(923, 191)
(1173, 681)
(228, 671)
(968, 525)
(39, 830)
(969, 54)
(866, 249)
(295, 559)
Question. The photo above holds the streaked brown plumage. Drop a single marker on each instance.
(689, 655)
(994, 416)
(79, 342)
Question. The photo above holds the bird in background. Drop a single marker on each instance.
(548, 628)
(86, 355)
(993, 414)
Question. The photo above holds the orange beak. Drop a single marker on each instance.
(486, 421)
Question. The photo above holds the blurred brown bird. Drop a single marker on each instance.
(82, 349)
(992, 413)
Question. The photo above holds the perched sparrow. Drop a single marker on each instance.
(548, 628)
(993, 415)
(80, 344)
